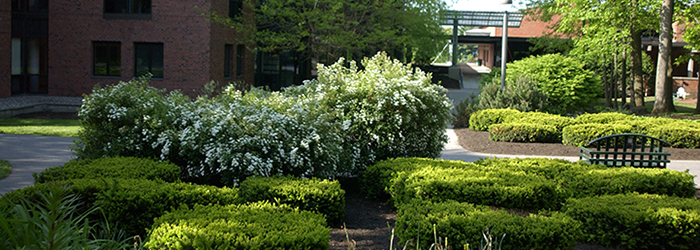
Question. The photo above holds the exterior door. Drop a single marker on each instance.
(29, 46)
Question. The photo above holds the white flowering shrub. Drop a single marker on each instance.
(386, 109)
(128, 119)
(234, 136)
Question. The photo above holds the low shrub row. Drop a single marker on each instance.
(249, 226)
(524, 132)
(638, 221)
(133, 203)
(515, 126)
(117, 167)
(463, 223)
(450, 198)
(321, 196)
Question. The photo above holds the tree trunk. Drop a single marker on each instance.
(615, 80)
(637, 74)
(606, 84)
(623, 78)
(661, 104)
(697, 97)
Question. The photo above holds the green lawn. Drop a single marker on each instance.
(51, 127)
(5, 169)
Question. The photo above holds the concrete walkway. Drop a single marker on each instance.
(31, 154)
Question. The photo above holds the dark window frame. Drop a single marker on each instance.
(150, 49)
(235, 8)
(228, 60)
(132, 9)
(109, 66)
(240, 60)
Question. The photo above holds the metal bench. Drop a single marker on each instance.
(636, 150)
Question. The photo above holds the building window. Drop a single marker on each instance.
(128, 9)
(234, 8)
(149, 59)
(107, 59)
(240, 60)
(228, 49)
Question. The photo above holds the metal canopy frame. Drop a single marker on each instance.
(480, 18)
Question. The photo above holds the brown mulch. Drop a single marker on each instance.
(478, 141)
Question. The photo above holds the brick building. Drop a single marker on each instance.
(66, 47)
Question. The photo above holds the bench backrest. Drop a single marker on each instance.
(628, 142)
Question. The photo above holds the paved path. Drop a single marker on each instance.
(30, 154)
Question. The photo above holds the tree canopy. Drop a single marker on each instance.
(351, 28)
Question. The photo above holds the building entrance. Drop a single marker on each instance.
(30, 46)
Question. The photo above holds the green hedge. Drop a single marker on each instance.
(460, 223)
(322, 196)
(482, 119)
(524, 132)
(603, 118)
(679, 135)
(250, 226)
(133, 203)
(117, 167)
(638, 221)
(481, 185)
(558, 121)
(581, 134)
(611, 181)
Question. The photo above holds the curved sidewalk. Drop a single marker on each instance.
(453, 151)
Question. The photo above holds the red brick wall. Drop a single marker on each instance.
(5, 48)
(222, 35)
(74, 25)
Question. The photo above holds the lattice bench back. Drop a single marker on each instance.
(628, 149)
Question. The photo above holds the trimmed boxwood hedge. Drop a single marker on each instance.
(322, 196)
(679, 135)
(524, 132)
(582, 134)
(133, 203)
(638, 221)
(482, 119)
(249, 226)
(481, 185)
(603, 118)
(117, 167)
(460, 223)
(558, 121)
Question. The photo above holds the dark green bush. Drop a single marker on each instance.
(520, 94)
(569, 86)
(603, 118)
(249, 226)
(523, 132)
(678, 134)
(133, 203)
(638, 221)
(480, 185)
(582, 134)
(463, 110)
(482, 119)
(462, 223)
(321, 196)
(118, 167)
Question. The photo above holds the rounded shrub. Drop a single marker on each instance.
(117, 167)
(523, 132)
(582, 134)
(320, 196)
(128, 119)
(482, 119)
(249, 226)
(568, 85)
(679, 135)
(558, 121)
(387, 110)
(520, 94)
